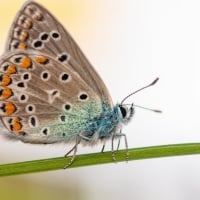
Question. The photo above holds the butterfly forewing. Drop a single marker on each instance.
(34, 28)
(43, 100)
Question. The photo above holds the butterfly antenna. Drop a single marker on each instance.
(151, 84)
(154, 110)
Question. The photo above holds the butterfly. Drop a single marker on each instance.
(49, 92)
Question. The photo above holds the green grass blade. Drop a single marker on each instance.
(98, 158)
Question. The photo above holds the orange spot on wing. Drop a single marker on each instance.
(6, 80)
(6, 93)
(41, 59)
(25, 22)
(26, 62)
(11, 69)
(10, 108)
(16, 126)
(28, 24)
(37, 16)
(22, 46)
(23, 36)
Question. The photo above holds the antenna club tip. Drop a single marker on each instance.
(158, 111)
(155, 81)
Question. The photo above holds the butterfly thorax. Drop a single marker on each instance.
(101, 127)
(108, 123)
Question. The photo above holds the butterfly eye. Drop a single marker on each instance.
(123, 111)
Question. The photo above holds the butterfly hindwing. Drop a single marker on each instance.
(34, 28)
(42, 99)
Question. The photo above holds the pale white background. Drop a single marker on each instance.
(130, 42)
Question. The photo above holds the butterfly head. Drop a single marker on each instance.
(127, 112)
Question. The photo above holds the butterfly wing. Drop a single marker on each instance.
(42, 100)
(34, 28)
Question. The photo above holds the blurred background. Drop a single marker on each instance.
(129, 42)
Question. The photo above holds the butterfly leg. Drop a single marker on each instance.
(119, 140)
(74, 149)
(114, 136)
(103, 147)
(126, 142)
(112, 147)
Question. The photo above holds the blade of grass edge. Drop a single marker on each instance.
(99, 158)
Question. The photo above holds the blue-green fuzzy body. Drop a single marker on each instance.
(103, 125)
(91, 120)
